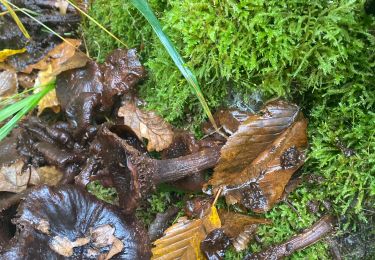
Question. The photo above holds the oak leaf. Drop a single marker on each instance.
(147, 124)
(182, 240)
(258, 160)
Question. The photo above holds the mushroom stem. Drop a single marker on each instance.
(310, 236)
(174, 169)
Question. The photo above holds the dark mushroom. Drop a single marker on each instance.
(161, 222)
(89, 93)
(183, 144)
(134, 173)
(67, 221)
(215, 244)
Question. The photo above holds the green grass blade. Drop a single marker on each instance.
(10, 110)
(97, 23)
(39, 22)
(15, 18)
(147, 12)
(32, 102)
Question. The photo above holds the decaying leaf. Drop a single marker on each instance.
(234, 223)
(63, 246)
(63, 57)
(57, 56)
(116, 248)
(49, 175)
(147, 124)
(8, 83)
(104, 236)
(182, 240)
(240, 228)
(259, 159)
(14, 177)
(43, 226)
(4, 54)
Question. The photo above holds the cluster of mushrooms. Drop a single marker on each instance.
(86, 147)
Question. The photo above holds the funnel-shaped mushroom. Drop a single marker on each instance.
(134, 174)
(67, 221)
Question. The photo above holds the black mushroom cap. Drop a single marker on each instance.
(72, 213)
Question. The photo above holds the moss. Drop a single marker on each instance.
(317, 53)
(124, 21)
(107, 194)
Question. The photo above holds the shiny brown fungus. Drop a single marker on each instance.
(52, 219)
(215, 244)
(184, 143)
(134, 174)
(87, 94)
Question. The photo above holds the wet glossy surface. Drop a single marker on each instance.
(71, 212)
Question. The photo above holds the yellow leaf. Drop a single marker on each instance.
(9, 52)
(182, 240)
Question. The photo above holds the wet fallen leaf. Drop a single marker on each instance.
(13, 177)
(227, 119)
(147, 124)
(64, 247)
(253, 136)
(49, 175)
(43, 226)
(4, 54)
(8, 83)
(259, 159)
(16, 177)
(116, 248)
(182, 240)
(58, 55)
(234, 223)
(62, 58)
(104, 236)
(240, 228)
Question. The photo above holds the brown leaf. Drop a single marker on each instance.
(146, 124)
(116, 248)
(234, 223)
(182, 240)
(259, 159)
(60, 54)
(254, 135)
(240, 228)
(8, 83)
(13, 177)
(49, 175)
(43, 226)
(104, 236)
(63, 246)
(63, 57)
